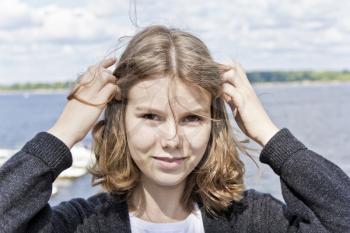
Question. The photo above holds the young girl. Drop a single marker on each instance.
(166, 155)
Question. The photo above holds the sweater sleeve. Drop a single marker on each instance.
(316, 191)
(26, 185)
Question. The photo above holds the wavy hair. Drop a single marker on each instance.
(217, 180)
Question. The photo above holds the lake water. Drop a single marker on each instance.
(317, 114)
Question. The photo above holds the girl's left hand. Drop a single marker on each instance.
(246, 107)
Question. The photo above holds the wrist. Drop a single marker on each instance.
(268, 135)
(63, 136)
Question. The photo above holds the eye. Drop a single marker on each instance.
(194, 118)
(149, 116)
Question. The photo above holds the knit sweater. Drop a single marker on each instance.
(316, 192)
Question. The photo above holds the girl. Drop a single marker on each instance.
(166, 155)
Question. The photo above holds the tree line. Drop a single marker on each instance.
(254, 77)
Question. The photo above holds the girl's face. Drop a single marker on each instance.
(166, 146)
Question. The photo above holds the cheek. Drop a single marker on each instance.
(198, 139)
(140, 141)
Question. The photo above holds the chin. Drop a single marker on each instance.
(168, 180)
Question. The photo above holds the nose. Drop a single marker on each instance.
(170, 137)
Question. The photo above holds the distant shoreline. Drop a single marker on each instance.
(36, 91)
(299, 83)
(254, 84)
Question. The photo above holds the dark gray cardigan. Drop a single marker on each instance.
(316, 191)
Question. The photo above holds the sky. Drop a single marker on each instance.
(49, 41)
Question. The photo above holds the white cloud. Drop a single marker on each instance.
(257, 33)
(51, 24)
(13, 14)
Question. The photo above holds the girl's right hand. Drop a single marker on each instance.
(78, 117)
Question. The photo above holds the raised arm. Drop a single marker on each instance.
(26, 178)
(316, 191)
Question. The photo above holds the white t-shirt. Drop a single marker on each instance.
(193, 223)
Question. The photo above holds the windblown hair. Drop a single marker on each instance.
(217, 181)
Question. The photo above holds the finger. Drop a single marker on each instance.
(109, 91)
(242, 74)
(231, 77)
(236, 75)
(106, 78)
(108, 62)
(100, 78)
(232, 95)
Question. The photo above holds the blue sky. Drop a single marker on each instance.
(47, 41)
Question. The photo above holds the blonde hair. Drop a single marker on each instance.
(217, 181)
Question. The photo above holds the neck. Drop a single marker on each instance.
(156, 203)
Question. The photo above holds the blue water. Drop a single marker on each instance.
(318, 115)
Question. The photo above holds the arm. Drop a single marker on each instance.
(26, 186)
(316, 191)
(26, 178)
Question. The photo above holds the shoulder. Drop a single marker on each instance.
(250, 214)
(95, 204)
(254, 197)
(100, 210)
(255, 202)
(252, 194)
(255, 209)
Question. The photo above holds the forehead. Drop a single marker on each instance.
(162, 90)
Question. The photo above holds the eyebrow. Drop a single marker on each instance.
(196, 110)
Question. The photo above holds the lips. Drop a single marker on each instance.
(169, 163)
(169, 159)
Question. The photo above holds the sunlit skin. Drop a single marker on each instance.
(154, 130)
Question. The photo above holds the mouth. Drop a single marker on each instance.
(169, 163)
(169, 159)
